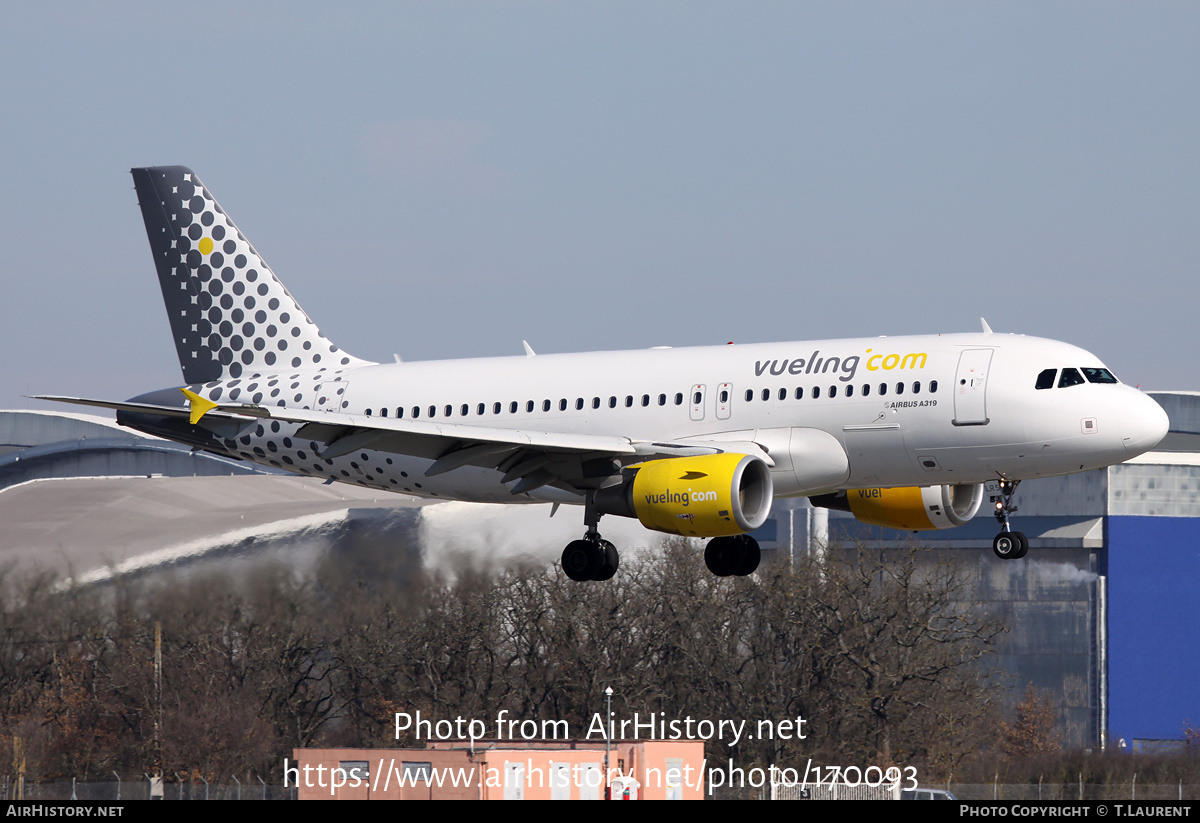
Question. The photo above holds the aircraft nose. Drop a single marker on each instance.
(1143, 424)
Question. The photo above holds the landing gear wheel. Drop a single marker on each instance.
(582, 560)
(729, 556)
(723, 556)
(1010, 545)
(612, 561)
(1024, 547)
(593, 557)
(751, 558)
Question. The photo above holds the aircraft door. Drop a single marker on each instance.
(724, 400)
(697, 398)
(970, 387)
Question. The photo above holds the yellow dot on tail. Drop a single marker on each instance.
(205, 245)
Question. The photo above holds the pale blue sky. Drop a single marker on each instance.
(445, 179)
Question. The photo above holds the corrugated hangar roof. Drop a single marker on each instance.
(90, 527)
(81, 496)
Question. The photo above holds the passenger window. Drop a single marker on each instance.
(749, 395)
(545, 405)
(1045, 379)
(368, 411)
(799, 393)
(1070, 377)
(662, 400)
(1099, 376)
(629, 401)
(724, 395)
(883, 388)
(464, 410)
(866, 389)
(562, 404)
(512, 407)
(917, 387)
(578, 404)
(766, 394)
(612, 402)
(383, 412)
(696, 398)
(816, 392)
(433, 411)
(399, 411)
(933, 387)
(595, 402)
(899, 388)
(645, 400)
(449, 410)
(679, 398)
(832, 392)
(416, 411)
(495, 408)
(783, 394)
(529, 405)
(480, 409)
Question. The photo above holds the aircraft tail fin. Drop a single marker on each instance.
(230, 316)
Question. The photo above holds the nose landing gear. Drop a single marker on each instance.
(1008, 545)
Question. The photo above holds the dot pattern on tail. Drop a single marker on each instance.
(230, 316)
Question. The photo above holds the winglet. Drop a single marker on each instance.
(986, 328)
(529, 352)
(200, 406)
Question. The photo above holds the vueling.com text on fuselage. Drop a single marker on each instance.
(844, 367)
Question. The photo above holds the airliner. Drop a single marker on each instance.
(901, 431)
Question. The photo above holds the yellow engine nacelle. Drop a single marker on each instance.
(704, 496)
(910, 509)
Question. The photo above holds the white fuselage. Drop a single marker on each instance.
(908, 411)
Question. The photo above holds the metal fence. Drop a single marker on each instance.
(1062, 792)
(139, 789)
(1048, 792)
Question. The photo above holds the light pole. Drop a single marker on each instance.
(607, 741)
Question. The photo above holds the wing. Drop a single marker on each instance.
(529, 459)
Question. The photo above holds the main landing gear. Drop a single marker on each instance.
(734, 555)
(593, 557)
(1008, 545)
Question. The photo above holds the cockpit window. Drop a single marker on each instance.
(1099, 376)
(1046, 379)
(1070, 377)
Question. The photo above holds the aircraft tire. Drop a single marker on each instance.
(581, 560)
(1007, 546)
(1023, 548)
(612, 561)
(751, 558)
(723, 556)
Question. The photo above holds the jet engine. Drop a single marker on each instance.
(703, 496)
(910, 509)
